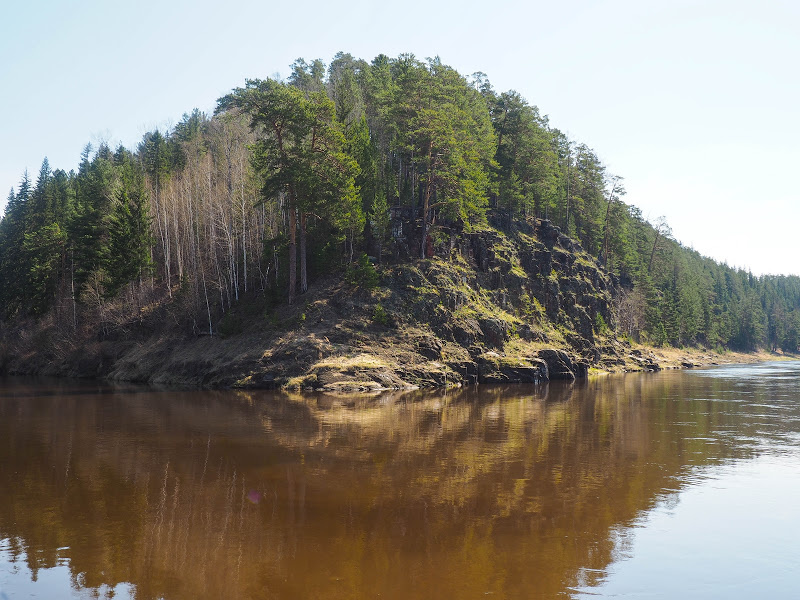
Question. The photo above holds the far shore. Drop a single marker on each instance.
(688, 358)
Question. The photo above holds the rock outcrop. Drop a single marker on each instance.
(526, 305)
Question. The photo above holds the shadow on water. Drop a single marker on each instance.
(515, 491)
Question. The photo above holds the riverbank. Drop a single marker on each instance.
(675, 358)
(332, 343)
(649, 358)
(493, 307)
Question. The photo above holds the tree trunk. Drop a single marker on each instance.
(244, 233)
(426, 207)
(72, 289)
(208, 305)
(608, 218)
(275, 260)
(303, 273)
(423, 242)
(566, 220)
(653, 253)
(292, 252)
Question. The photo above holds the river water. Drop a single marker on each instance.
(668, 485)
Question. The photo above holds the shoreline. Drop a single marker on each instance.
(639, 359)
(668, 358)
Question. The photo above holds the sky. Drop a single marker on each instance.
(694, 103)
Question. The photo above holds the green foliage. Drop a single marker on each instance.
(527, 169)
(601, 326)
(43, 248)
(380, 316)
(442, 127)
(362, 273)
(300, 155)
(357, 159)
(88, 226)
(13, 273)
(127, 255)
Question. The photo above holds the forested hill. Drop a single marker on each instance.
(396, 159)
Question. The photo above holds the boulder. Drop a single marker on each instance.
(518, 374)
(430, 347)
(496, 332)
(647, 362)
(562, 365)
(467, 370)
(466, 331)
(494, 368)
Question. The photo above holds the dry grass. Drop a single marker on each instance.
(359, 362)
(670, 357)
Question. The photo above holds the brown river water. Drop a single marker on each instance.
(668, 485)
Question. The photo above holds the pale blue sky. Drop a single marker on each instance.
(694, 103)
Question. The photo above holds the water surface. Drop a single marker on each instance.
(679, 484)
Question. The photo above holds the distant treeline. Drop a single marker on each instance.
(390, 158)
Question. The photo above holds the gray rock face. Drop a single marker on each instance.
(561, 365)
(430, 347)
(542, 265)
(646, 361)
(495, 332)
(466, 332)
(493, 370)
(548, 233)
(532, 374)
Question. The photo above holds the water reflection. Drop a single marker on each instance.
(516, 492)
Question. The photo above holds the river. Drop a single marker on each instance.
(666, 485)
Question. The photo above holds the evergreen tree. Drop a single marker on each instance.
(299, 155)
(127, 256)
(393, 141)
(12, 256)
(87, 230)
(44, 240)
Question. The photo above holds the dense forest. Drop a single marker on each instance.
(335, 169)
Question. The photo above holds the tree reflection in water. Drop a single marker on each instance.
(517, 491)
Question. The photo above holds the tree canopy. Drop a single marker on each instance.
(390, 158)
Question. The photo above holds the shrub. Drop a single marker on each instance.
(380, 316)
(600, 325)
(362, 273)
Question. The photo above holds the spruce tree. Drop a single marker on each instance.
(127, 256)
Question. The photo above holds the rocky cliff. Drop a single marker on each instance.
(487, 307)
